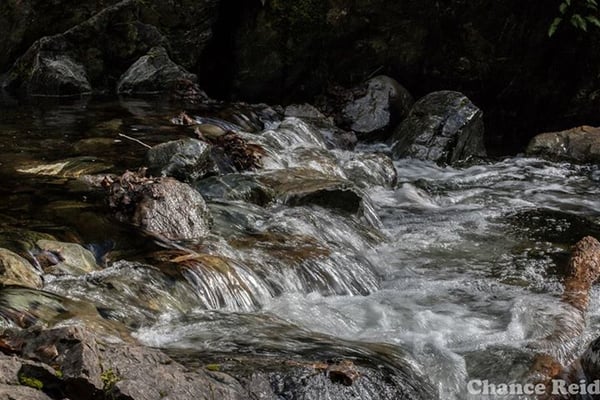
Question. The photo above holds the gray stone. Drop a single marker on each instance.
(382, 104)
(57, 75)
(444, 127)
(580, 144)
(174, 210)
(162, 206)
(186, 160)
(11, 392)
(154, 73)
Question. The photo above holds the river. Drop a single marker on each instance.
(455, 271)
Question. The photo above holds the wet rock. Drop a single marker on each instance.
(92, 369)
(270, 379)
(335, 137)
(22, 241)
(580, 144)
(162, 206)
(376, 107)
(444, 127)
(297, 187)
(15, 270)
(369, 169)
(130, 293)
(57, 75)
(292, 132)
(236, 187)
(67, 258)
(156, 73)
(303, 111)
(186, 160)
(232, 152)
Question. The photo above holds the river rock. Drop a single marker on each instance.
(55, 74)
(236, 187)
(334, 378)
(376, 107)
(89, 368)
(186, 160)
(444, 127)
(369, 169)
(580, 144)
(335, 137)
(156, 73)
(15, 270)
(162, 206)
(298, 186)
(71, 258)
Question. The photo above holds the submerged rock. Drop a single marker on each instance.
(376, 107)
(369, 169)
(444, 127)
(156, 73)
(296, 187)
(15, 270)
(186, 160)
(236, 187)
(580, 144)
(162, 206)
(67, 168)
(335, 137)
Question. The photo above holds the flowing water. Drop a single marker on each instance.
(454, 272)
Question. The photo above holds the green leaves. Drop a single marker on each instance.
(580, 13)
(554, 26)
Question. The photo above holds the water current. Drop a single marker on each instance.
(453, 271)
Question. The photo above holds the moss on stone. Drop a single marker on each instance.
(30, 382)
(109, 379)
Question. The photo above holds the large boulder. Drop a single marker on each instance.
(376, 107)
(444, 127)
(155, 73)
(103, 45)
(55, 74)
(186, 160)
(580, 144)
(161, 206)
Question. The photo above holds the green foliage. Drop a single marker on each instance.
(109, 379)
(581, 14)
(31, 382)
